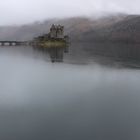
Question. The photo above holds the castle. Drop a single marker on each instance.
(56, 31)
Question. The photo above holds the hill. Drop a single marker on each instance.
(76, 26)
(126, 30)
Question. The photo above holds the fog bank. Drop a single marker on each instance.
(25, 11)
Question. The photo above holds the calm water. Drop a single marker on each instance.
(40, 100)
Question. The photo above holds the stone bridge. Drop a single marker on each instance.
(14, 43)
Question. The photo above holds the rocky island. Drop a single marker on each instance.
(55, 38)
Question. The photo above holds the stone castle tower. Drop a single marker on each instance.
(57, 31)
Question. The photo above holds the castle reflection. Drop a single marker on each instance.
(56, 53)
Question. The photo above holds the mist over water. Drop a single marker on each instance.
(43, 100)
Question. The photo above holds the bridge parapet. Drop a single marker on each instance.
(13, 43)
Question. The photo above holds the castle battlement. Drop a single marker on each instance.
(57, 31)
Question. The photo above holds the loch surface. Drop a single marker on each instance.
(43, 100)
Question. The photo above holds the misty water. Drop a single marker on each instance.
(40, 100)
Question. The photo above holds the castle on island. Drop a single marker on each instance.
(56, 33)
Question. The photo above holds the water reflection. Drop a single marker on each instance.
(127, 54)
(45, 101)
(56, 53)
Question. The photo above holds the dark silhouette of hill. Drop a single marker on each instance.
(126, 30)
(75, 27)
(115, 28)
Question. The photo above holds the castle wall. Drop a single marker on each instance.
(57, 31)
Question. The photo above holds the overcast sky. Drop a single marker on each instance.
(26, 11)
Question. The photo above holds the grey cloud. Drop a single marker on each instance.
(25, 11)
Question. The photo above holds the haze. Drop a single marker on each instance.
(26, 11)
